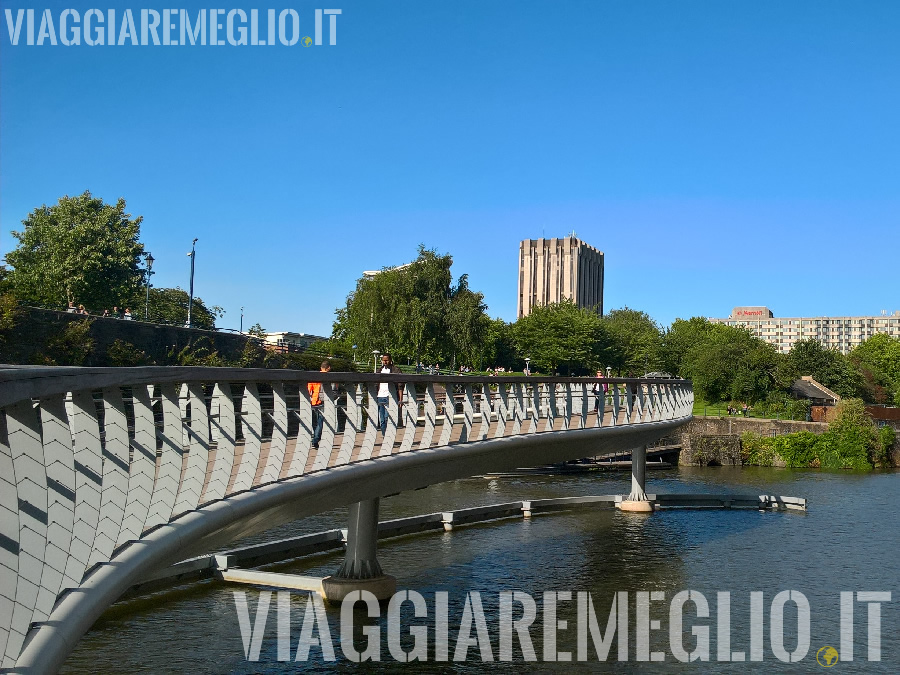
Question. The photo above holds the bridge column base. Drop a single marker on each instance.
(360, 570)
(335, 589)
(635, 506)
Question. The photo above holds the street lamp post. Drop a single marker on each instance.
(528, 365)
(193, 256)
(354, 354)
(241, 331)
(375, 353)
(149, 258)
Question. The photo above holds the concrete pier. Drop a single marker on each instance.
(360, 570)
(637, 500)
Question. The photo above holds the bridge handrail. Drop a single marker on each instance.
(93, 460)
(20, 382)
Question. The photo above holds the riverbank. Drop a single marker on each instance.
(716, 441)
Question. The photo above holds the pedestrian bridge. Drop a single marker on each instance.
(108, 475)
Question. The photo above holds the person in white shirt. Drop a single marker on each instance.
(387, 366)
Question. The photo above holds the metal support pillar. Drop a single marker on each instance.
(360, 570)
(637, 500)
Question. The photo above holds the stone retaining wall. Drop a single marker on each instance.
(27, 340)
(716, 440)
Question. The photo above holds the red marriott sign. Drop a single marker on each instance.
(754, 312)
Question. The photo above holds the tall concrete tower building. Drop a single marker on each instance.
(552, 270)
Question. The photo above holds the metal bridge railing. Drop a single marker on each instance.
(94, 459)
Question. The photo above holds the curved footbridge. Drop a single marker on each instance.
(110, 475)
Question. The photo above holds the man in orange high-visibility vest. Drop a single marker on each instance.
(318, 405)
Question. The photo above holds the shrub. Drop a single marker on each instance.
(9, 312)
(797, 450)
(71, 346)
(886, 437)
(757, 450)
(121, 353)
(200, 353)
(856, 444)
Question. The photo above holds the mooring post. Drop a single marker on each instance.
(360, 570)
(637, 500)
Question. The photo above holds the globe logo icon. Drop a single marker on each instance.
(827, 656)
(307, 41)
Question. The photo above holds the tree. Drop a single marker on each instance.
(680, 338)
(414, 311)
(499, 348)
(731, 364)
(852, 440)
(330, 349)
(826, 366)
(80, 250)
(637, 339)
(170, 305)
(256, 330)
(878, 359)
(563, 334)
(467, 323)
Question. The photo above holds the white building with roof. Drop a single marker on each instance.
(841, 333)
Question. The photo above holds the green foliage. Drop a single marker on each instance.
(80, 250)
(121, 353)
(886, 438)
(200, 352)
(71, 346)
(797, 450)
(881, 351)
(5, 283)
(10, 311)
(415, 312)
(778, 404)
(170, 305)
(856, 442)
(467, 323)
(728, 363)
(851, 442)
(563, 334)
(253, 355)
(499, 347)
(637, 340)
(681, 337)
(878, 361)
(331, 348)
(827, 366)
(757, 450)
(256, 330)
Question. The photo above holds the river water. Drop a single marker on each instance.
(848, 540)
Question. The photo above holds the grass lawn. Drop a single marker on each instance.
(720, 409)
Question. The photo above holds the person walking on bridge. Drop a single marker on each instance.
(318, 405)
(599, 389)
(384, 393)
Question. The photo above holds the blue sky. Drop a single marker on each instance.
(719, 153)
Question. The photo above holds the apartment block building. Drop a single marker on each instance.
(553, 270)
(841, 333)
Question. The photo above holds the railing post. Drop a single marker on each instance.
(360, 570)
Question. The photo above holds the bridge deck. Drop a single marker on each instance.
(184, 459)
